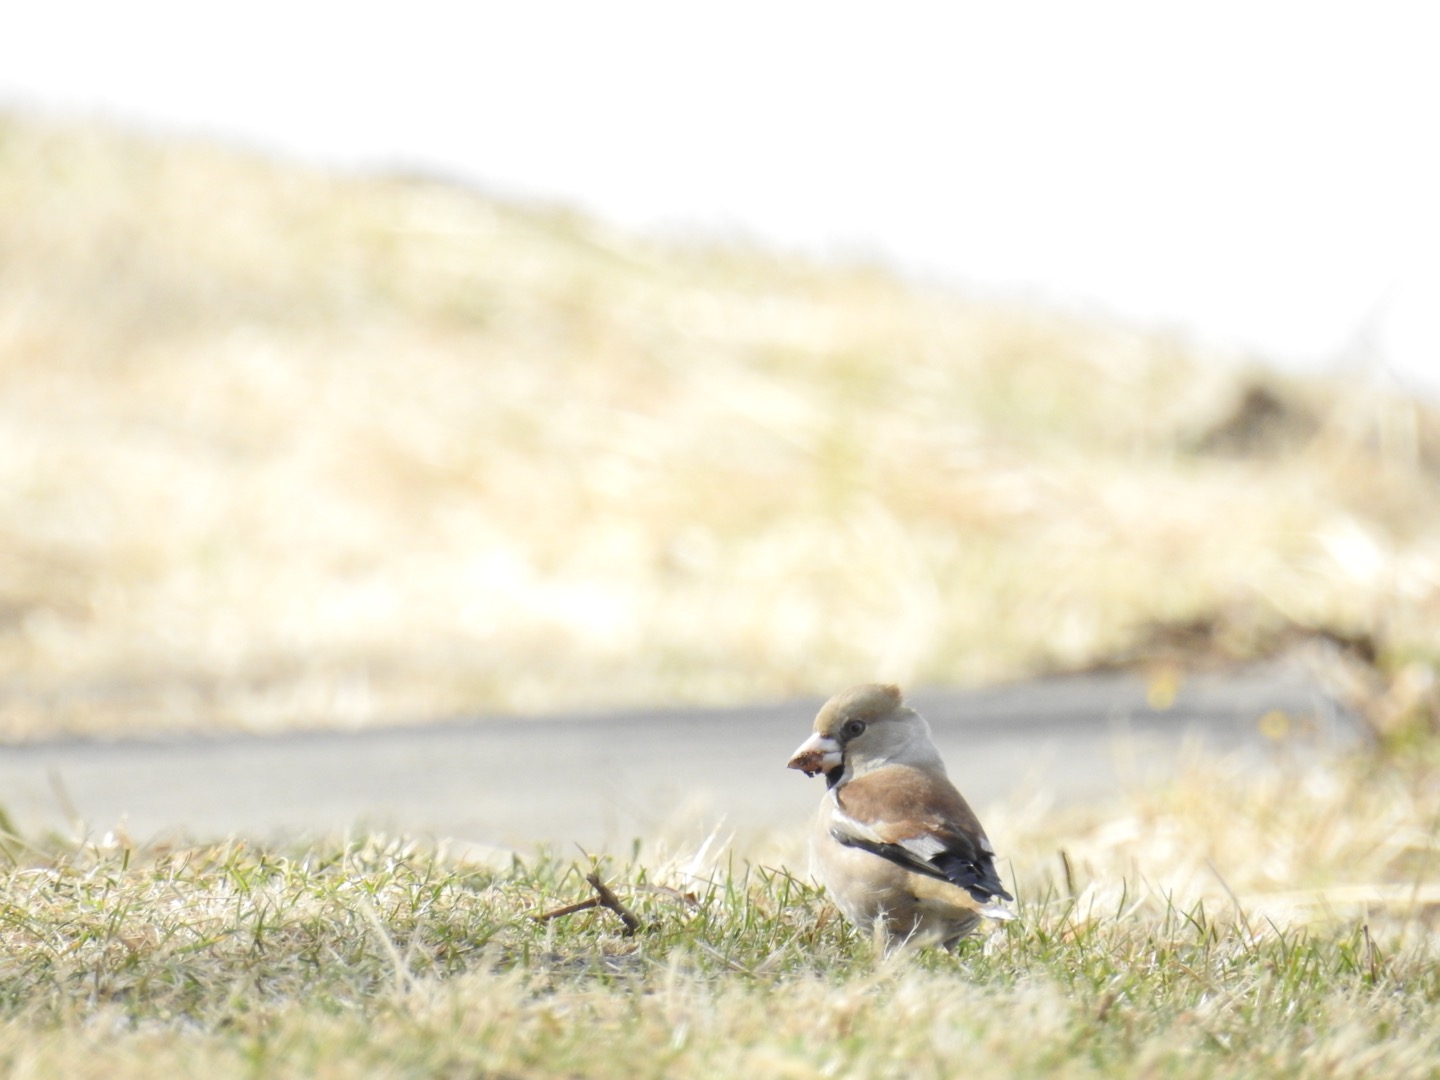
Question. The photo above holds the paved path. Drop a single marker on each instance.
(601, 781)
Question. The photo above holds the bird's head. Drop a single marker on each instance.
(862, 728)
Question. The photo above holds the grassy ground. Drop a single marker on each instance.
(1235, 926)
(280, 448)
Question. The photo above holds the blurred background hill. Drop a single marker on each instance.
(283, 446)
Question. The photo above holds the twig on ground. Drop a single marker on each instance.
(603, 898)
(610, 900)
(568, 909)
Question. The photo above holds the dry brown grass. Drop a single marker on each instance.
(283, 448)
(1251, 924)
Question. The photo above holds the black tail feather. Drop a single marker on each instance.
(976, 875)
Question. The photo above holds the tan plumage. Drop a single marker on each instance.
(895, 843)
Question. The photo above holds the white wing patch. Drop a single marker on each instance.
(924, 845)
(844, 823)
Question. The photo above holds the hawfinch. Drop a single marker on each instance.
(895, 844)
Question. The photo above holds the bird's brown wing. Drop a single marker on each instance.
(918, 821)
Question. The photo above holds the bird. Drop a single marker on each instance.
(896, 846)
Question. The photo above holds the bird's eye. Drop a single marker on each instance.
(853, 729)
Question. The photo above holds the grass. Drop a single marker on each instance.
(1159, 945)
(280, 448)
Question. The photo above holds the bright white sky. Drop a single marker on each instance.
(1262, 175)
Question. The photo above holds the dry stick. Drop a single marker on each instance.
(605, 898)
(568, 909)
(1371, 954)
(1069, 873)
(610, 900)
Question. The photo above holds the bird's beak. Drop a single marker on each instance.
(817, 754)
